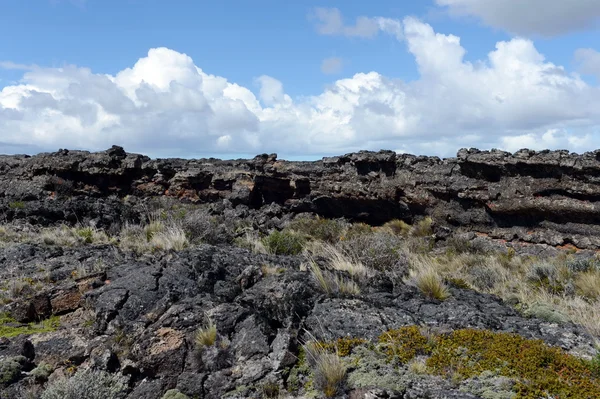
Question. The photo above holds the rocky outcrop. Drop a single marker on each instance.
(137, 316)
(546, 197)
(141, 315)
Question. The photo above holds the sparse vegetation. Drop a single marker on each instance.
(88, 384)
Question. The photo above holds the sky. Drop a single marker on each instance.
(304, 79)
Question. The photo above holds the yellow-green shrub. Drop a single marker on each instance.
(404, 343)
(540, 370)
(343, 346)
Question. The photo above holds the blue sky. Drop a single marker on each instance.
(307, 66)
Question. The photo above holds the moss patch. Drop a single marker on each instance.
(9, 327)
(494, 365)
(539, 370)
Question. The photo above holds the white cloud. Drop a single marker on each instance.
(552, 138)
(588, 60)
(331, 22)
(332, 65)
(526, 17)
(12, 65)
(166, 105)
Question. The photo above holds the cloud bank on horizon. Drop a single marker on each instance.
(166, 104)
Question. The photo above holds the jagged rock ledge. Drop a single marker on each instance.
(543, 197)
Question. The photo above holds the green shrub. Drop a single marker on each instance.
(594, 363)
(545, 312)
(284, 242)
(88, 384)
(42, 372)
(16, 205)
(328, 230)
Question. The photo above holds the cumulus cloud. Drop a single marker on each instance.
(552, 138)
(332, 65)
(331, 22)
(526, 17)
(166, 105)
(589, 61)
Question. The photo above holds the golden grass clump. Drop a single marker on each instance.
(329, 370)
(588, 284)
(425, 277)
(206, 336)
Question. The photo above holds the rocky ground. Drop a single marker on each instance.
(127, 277)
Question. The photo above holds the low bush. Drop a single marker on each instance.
(17, 205)
(398, 227)
(580, 265)
(327, 230)
(88, 384)
(285, 242)
(379, 251)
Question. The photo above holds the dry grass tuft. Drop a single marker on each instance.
(588, 284)
(335, 259)
(170, 238)
(332, 284)
(425, 277)
(329, 370)
(206, 336)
